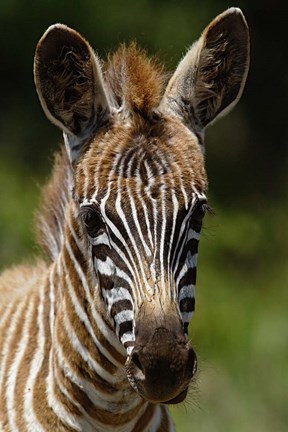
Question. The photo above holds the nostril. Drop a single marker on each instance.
(136, 361)
(192, 362)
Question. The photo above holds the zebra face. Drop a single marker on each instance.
(130, 270)
(143, 215)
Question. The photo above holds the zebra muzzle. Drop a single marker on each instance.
(161, 364)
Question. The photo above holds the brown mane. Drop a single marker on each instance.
(134, 79)
(56, 194)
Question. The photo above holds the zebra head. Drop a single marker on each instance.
(139, 181)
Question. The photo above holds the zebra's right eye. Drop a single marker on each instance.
(92, 220)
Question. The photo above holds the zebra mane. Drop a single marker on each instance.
(56, 194)
(134, 81)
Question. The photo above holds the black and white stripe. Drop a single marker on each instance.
(147, 233)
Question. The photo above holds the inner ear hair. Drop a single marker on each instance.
(69, 83)
(210, 79)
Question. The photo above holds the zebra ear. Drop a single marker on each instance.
(70, 85)
(210, 79)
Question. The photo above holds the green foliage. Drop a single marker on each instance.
(18, 198)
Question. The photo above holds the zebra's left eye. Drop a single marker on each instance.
(198, 215)
(92, 220)
(200, 210)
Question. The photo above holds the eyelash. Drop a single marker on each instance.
(91, 219)
(198, 214)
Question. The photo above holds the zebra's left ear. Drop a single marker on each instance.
(70, 85)
(210, 79)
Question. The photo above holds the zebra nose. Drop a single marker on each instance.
(139, 371)
(136, 360)
(160, 370)
(139, 368)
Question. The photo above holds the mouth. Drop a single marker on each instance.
(178, 399)
(174, 401)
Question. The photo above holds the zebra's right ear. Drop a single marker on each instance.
(70, 85)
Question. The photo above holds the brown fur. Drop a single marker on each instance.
(20, 280)
(135, 79)
(55, 197)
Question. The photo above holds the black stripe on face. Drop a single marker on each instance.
(113, 254)
(196, 226)
(185, 327)
(129, 344)
(109, 282)
(188, 279)
(106, 282)
(101, 252)
(187, 304)
(192, 245)
(119, 306)
(177, 238)
(125, 327)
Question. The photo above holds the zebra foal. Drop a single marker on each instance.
(96, 339)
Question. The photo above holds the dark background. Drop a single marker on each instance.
(240, 325)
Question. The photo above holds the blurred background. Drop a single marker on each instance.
(240, 328)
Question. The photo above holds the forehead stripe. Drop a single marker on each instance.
(121, 214)
(134, 210)
(140, 198)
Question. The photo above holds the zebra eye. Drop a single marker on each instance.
(198, 215)
(92, 220)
